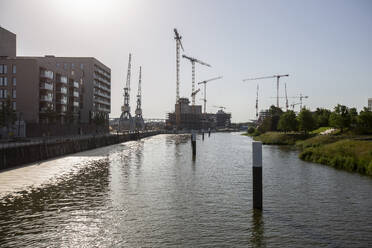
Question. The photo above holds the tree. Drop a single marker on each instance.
(265, 125)
(306, 120)
(340, 117)
(322, 117)
(288, 121)
(364, 121)
(7, 114)
(275, 114)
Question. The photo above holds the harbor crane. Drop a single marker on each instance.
(138, 119)
(178, 38)
(277, 83)
(205, 91)
(193, 60)
(126, 121)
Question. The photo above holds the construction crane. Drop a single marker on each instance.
(195, 92)
(205, 91)
(126, 121)
(138, 119)
(178, 38)
(193, 60)
(277, 84)
(286, 97)
(298, 97)
(220, 107)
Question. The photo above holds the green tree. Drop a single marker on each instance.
(322, 117)
(288, 121)
(265, 126)
(340, 117)
(364, 121)
(306, 120)
(275, 114)
(7, 114)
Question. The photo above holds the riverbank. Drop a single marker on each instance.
(25, 153)
(346, 152)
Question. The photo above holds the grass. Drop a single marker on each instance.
(317, 141)
(319, 130)
(279, 138)
(347, 154)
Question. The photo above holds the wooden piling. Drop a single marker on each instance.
(257, 174)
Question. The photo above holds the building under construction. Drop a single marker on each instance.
(187, 117)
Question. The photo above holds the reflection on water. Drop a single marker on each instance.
(151, 193)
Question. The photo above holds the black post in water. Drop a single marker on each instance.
(209, 132)
(203, 134)
(257, 174)
(193, 143)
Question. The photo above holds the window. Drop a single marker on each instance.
(72, 66)
(1, 81)
(1, 69)
(14, 69)
(5, 81)
(14, 105)
(58, 65)
(14, 81)
(82, 66)
(65, 66)
(5, 94)
(14, 92)
(1, 93)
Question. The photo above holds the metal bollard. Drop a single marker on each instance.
(257, 174)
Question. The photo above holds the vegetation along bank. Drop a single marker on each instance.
(341, 138)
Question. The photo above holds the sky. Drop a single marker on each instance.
(324, 45)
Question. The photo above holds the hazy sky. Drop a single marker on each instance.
(325, 46)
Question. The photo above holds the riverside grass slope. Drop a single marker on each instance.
(349, 153)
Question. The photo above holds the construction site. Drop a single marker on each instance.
(187, 115)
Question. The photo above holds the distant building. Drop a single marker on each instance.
(54, 90)
(189, 117)
(7, 43)
(370, 104)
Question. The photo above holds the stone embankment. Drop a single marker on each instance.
(16, 155)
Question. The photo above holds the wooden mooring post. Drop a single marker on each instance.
(257, 174)
(193, 142)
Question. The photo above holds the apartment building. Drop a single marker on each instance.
(370, 104)
(51, 89)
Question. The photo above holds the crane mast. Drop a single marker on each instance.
(193, 60)
(205, 91)
(138, 109)
(257, 102)
(126, 121)
(277, 84)
(127, 86)
(178, 38)
(286, 97)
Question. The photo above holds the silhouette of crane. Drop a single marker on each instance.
(205, 91)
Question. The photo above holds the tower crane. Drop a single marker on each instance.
(286, 97)
(220, 107)
(277, 83)
(193, 60)
(195, 92)
(298, 97)
(178, 38)
(205, 91)
(139, 123)
(126, 121)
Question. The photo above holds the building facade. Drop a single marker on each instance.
(370, 104)
(49, 89)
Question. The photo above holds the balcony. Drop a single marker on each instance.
(62, 100)
(76, 84)
(46, 86)
(62, 90)
(76, 104)
(46, 74)
(75, 94)
(62, 80)
(46, 98)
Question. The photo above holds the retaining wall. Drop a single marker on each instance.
(19, 155)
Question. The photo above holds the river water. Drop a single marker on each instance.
(151, 193)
